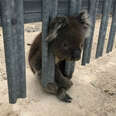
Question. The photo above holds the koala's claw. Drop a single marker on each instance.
(67, 99)
(63, 96)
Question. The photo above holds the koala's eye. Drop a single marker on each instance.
(65, 45)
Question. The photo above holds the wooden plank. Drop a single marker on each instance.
(41, 0)
(100, 7)
(36, 17)
(88, 42)
(20, 51)
(48, 62)
(84, 4)
(85, 51)
(13, 33)
(92, 12)
(103, 27)
(75, 6)
(32, 17)
(33, 7)
(112, 30)
(32, 0)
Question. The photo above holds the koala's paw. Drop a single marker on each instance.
(63, 96)
(67, 98)
(51, 88)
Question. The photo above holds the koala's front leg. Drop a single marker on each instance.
(63, 85)
(61, 80)
(62, 66)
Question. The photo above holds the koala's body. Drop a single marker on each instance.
(65, 39)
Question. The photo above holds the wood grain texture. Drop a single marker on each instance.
(13, 33)
(48, 62)
(88, 43)
(33, 9)
(112, 30)
(103, 27)
(74, 8)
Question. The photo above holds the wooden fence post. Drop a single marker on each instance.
(88, 42)
(13, 33)
(75, 6)
(48, 62)
(103, 27)
(112, 30)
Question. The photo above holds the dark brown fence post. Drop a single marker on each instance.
(13, 33)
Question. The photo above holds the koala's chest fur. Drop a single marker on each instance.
(57, 60)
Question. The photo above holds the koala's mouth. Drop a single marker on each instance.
(73, 59)
(68, 58)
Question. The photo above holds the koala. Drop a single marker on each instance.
(65, 39)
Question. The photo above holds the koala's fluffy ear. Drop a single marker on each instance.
(56, 24)
(83, 17)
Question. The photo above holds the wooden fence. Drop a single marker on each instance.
(12, 18)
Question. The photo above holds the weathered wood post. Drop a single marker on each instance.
(88, 42)
(74, 8)
(48, 62)
(13, 33)
(112, 30)
(103, 27)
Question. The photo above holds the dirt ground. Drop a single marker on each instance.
(93, 93)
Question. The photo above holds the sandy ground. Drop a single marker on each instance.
(94, 90)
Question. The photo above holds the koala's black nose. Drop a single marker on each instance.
(76, 54)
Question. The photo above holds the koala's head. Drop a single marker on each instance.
(67, 34)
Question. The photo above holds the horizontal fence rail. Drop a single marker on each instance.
(33, 9)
